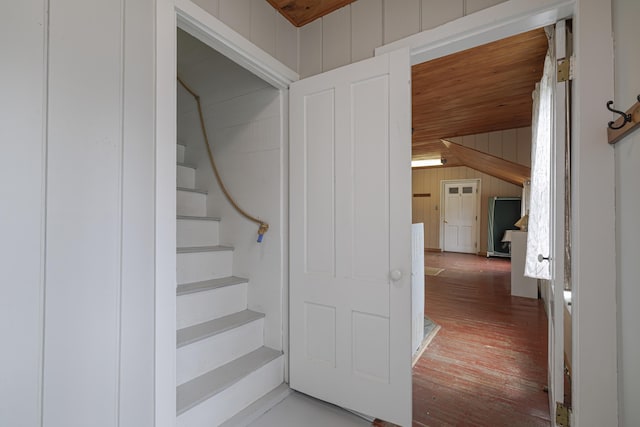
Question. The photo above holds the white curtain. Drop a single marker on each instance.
(538, 242)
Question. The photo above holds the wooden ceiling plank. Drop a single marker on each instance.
(484, 89)
(301, 12)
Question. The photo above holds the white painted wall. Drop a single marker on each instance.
(626, 14)
(243, 117)
(353, 32)
(259, 22)
(22, 198)
(99, 313)
(78, 200)
(593, 221)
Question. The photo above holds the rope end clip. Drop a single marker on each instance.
(264, 227)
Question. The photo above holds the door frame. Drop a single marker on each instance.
(478, 183)
(594, 365)
(594, 354)
(184, 14)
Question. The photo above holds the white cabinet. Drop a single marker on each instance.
(521, 286)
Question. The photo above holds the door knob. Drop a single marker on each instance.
(395, 275)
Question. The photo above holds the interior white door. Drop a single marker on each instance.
(555, 307)
(460, 217)
(350, 237)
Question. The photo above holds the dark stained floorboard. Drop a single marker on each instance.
(487, 365)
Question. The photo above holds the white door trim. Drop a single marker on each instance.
(220, 37)
(503, 20)
(169, 15)
(478, 183)
(595, 381)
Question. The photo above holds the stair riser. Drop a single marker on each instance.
(199, 357)
(199, 266)
(227, 403)
(191, 204)
(200, 307)
(197, 233)
(186, 177)
(180, 153)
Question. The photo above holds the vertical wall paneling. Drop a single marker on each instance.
(523, 138)
(472, 6)
(495, 144)
(336, 31)
(595, 369)
(401, 19)
(375, 23)
(510, 147)
(211, 6)
(165, 214)
(286, 42)
(263, 26)
(84, 213)
(137, 330)
(366, 28)
(482, 142)
(437, 12)
(310, 49)
(626, 13)
(236, 14)
(23, 34)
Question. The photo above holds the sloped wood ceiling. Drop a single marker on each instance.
(484, 89)
(301, 12)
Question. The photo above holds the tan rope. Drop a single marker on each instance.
(262, 226)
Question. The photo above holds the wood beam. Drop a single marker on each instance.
(491, 165)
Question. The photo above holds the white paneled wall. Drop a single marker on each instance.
(22, 198)
(260, 23)
(513, 145)
(437, 12)
(627, 72)
(246, 133)
(401, 19)
(353, 32)
(78, 330)
(83, 214)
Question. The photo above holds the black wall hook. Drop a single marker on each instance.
(630, 122)
(627, 118)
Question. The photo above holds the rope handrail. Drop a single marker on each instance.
(262, 226)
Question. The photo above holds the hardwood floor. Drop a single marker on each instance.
(487, 365)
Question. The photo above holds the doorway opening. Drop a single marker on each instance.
(500, 155)
(230, 283)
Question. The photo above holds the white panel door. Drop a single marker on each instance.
(557, 227)
(350, 237)
(460, 217)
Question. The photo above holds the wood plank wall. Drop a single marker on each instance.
(351, 33)
(260, 23)
(513, 145)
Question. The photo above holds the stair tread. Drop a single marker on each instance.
(206, 285)
(187, 165)
(213, 382)
(194, 249)
(198, 218)
(191, 334)
(192, 190)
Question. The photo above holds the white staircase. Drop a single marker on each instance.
(222, 366)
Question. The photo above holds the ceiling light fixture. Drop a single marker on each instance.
(426, 162)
